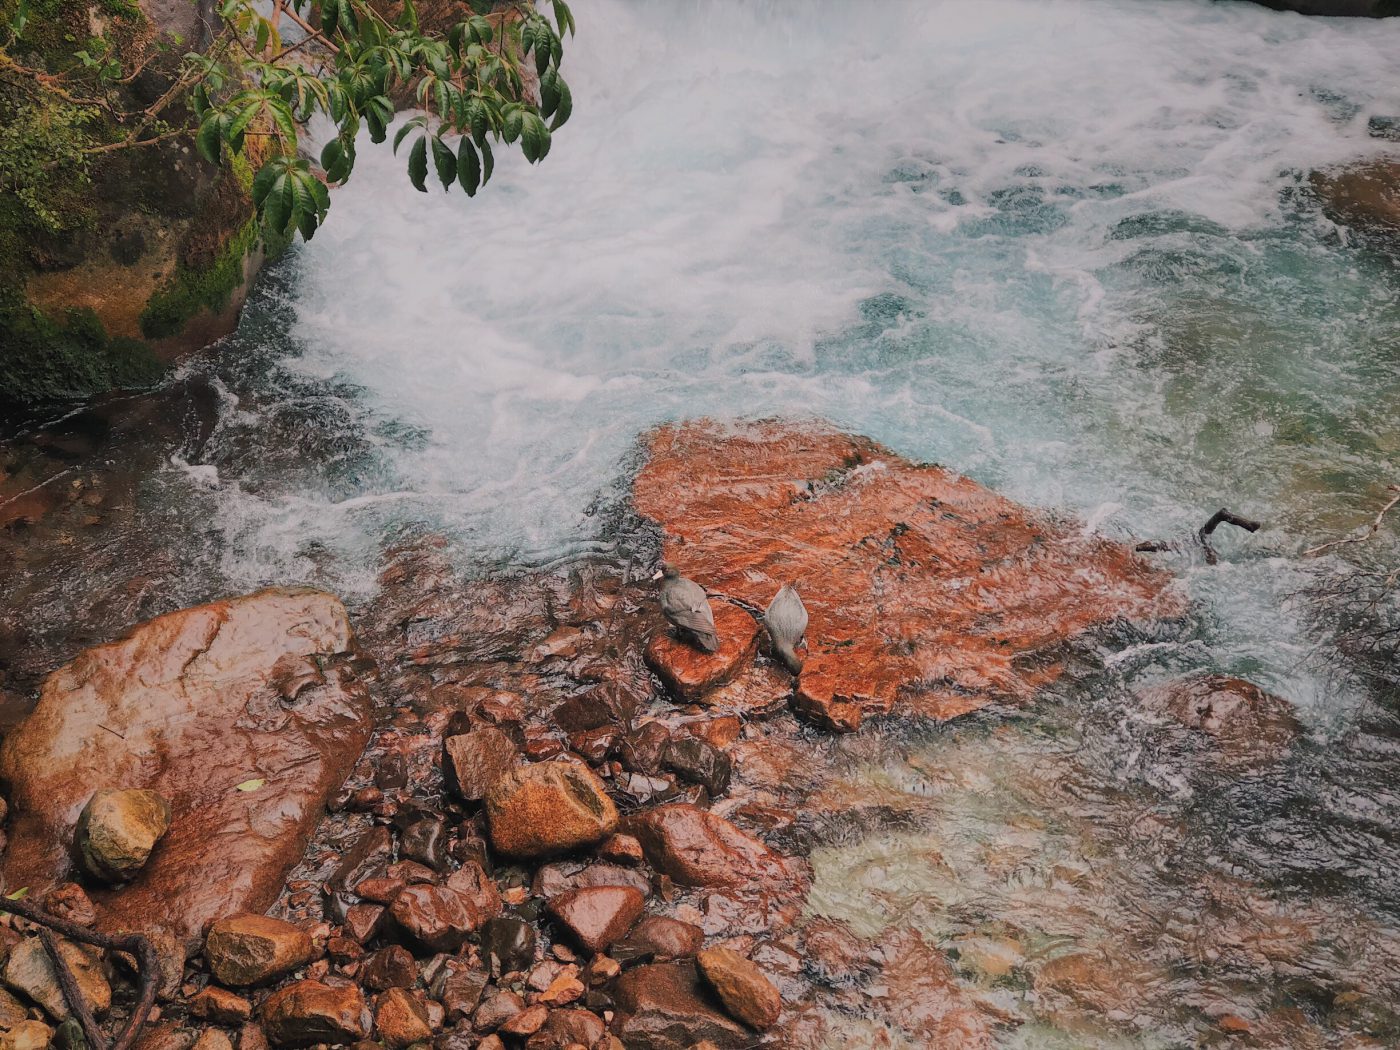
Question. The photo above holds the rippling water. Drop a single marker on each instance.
(1064, 246)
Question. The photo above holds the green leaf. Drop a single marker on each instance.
(514, 124)
(468, 167)
(565, 109)
(418, 164)
(251, 785)
(207, 139)
(488, 162)
(445, 162)
(18, 895)
(286, 124)
(402, 133)
(332, 156)
(277, 208)
(534, 138)
(263, 181)
(563, 17)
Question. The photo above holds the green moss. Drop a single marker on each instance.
(190, 291)
(46, 360)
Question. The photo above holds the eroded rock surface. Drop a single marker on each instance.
(926, 590)
(192, 705)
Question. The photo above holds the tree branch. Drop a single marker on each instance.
(1371, 529)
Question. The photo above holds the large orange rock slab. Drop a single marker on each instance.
(192, 705)
(689, 672)
(1365, 197)
(925, 589)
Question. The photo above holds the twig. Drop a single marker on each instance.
(147, 966)
(76, 1002)
(1222, 516)
(1371, 529)
(312, 30)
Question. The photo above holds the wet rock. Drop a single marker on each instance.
(527, 1022)
(698, 848)
(391, 967)
(699, 762)
(595, 745)
(747, 994)
(185, 706)
(836, 953)
(400, 1020)
(883, 548)
(436, 917)
(548, 808)
(252, 1037)
(459, 986)
(30, 972)
(1244, 724)
(220, 1007)
(367, 858)
(603, 706)
(425, 841)
(410, 872)
(117, 830)
(920, 994)
(27, 1035)
(471, 882)
(760, 692)
(508, 944)
(666, 1007)
(559, 878)
(564, 1029)
(717, 732)
(474, 761)
(212, 1039)
(245, 950)
(364, 921)
(621, 849)
(687, 671)
(659, 938)
(380, 890)
(166, 1035)
(598, 915)
(496, 1010)
(305, 1013)
(68, 901)
(642, 749)
(12, 1011)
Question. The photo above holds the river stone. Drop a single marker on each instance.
(548, 808)
(746, 993)
(401, 1020)
(508, 944)
(1243, 724)
(568, 1028)
(27, 1035)
(436, 917)
(659, 938)
(595, 916)
(883, 550)
(117, 830)
(218, 1006)
(473, 762)
(245, 950)
(1365, 197)
(390, 967)
(698, 761)
(12, 1011)
(212, 1039)
(689, 672)
(30, 972)
(305, 1013)
(666, 1007)
(698, 848)
(186, 706)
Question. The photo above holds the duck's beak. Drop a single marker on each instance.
(656, 575)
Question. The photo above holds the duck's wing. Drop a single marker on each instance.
(685, 604)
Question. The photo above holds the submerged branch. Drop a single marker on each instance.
(1371, 529)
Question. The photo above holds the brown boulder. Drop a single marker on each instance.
(29, 971)
(401, 1020)
(117, 830)
(746, 993)
(688, 672)
(698, 848)
(305, 1013)
(568, 1028)
(473, 762)
(436, 917)
(666, 1007)
(472, 882)
(1244, 724)
(1365, 197)
(220, 1006)
(595, 916)
(885, 550)
(27, 1035)
(245, 950)
(660, 938)
(547, 808)
(186, 706)
(391, 967)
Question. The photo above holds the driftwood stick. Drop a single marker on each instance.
(1222, 516)
(71, 992)
(147, 966)
(1371, 529)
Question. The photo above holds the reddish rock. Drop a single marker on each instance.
(381, 890)
(746, 992)
(689, 672)
(718, 732)
(473, 762)
(698, 761)
(218, 1006)
(666, 1007)
(401, 1020)
(698, 848)
(250, 949)
(185, 706)
(922, 996)
(496, 1010)
(363, 921)
(598, 915)
(68, 901)
(471, 882)
(1364, 196)
(117, 830)
(885, 550)
(549, 808)
(458, 988)
(660, 938)
(436, 917)
(305, 1013)
(760, 692)
(595, 744)
(641, 749)
(1244, 724)
(622, 849)
(527, 1022)
(410, 872)
(554, 880)
(391, 967)
(568, 1028)
(368, 857)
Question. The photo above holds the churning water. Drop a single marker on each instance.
(1063, 246)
